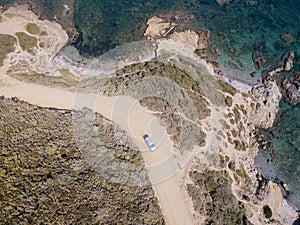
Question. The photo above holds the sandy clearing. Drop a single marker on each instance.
(49, 43)
(136, 120)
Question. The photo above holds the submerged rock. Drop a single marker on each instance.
(259, 56)
(288, 38)
(292, 93)
(253, 74)
(288, 61)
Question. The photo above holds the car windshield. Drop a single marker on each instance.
(152, 145)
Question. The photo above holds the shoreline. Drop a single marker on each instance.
(163, 46)
(245, 87)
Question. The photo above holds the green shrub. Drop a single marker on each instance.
(7, 45)
(227, 88)
(231, 165)
(237, 114)
(26, 42)
(239, 145)
(227, 158)
(245, 95)
(267, 211)
(32, 28)
(258, 106)
(234, 133)
(246, 197)
(228, 101)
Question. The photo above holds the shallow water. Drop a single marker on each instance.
(237, 28)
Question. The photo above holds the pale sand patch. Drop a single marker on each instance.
(240, 85)
(51, 39)
(157, 27)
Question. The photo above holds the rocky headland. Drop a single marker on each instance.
(205, 116)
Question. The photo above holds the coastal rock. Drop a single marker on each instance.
(158, 27)
(203, 41)
(286, 83)
(296, 80)
(288, 61)
(267, 97)
(262, 186)
(291, 88)
(288, 38)
(271, 73)
(259, 55)
(187, 39)
(221, 2)
(292, 93)
(285, 65)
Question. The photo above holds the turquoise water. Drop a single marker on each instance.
(239, 29)
(105, 24)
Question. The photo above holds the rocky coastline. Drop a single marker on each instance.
(230, 120)
(290, 89)
(261, 113)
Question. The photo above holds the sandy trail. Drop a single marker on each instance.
(137, 121)
(123, 110)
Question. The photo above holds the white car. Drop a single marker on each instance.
(149, 142)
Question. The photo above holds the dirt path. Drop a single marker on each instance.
(137, 121)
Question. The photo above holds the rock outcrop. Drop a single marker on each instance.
(221, 2)
(259, 55)
(285, 65)
(266, 96)
(291, 88)
(158, 27)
